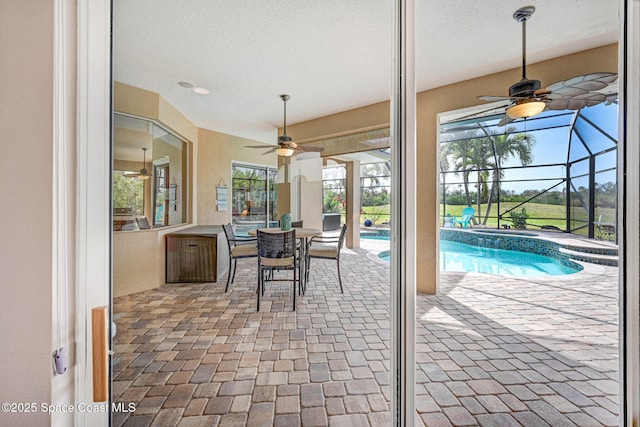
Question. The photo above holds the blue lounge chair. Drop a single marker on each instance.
(465, 219)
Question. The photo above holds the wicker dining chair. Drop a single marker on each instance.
(276, 251)
(325, 247)
(238, 248)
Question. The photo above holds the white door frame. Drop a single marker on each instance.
(93, 188)
(629, 211)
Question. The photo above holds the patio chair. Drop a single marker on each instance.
(297, 224)
(465, 219)
(326, 247)
(238, 248)
(143, 223)
(276, 252)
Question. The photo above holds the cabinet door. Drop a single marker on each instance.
(191, 259)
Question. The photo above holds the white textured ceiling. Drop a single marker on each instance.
(329, 55)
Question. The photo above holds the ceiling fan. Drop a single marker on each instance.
(527, 98)
(143, 173)
(286, 147)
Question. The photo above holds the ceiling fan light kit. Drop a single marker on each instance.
(284, 151)
(526, 108)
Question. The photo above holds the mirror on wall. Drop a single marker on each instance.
(149, 175)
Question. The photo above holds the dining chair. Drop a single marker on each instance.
(276, 251)
(297, 224)
(244, 247)
(326, 247)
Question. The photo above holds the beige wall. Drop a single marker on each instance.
(216, 152)
(429, 104)
(26, 170)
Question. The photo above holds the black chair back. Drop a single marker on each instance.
(276, 245)
(230, 235)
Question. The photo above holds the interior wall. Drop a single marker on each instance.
(26, 218)
(429, 104)
(216, 152)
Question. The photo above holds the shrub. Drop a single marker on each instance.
(519, 219)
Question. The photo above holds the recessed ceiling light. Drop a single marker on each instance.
(201, 91)
(186, 84)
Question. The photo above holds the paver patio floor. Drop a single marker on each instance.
(490, 351)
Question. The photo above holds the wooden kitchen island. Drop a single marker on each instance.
(196, 254)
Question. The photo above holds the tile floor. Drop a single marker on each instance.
(491, 351)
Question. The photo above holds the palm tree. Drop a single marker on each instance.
(480, 151)
(482, 161)
(462, 153)
(507, 145)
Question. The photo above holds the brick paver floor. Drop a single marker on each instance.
(491, 351)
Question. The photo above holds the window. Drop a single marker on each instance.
(375, 192)
(558, 169)
(333, 189)
(254, 196)
(150, 174)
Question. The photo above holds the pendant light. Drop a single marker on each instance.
(144, 173)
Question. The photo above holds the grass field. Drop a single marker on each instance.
(539, 214)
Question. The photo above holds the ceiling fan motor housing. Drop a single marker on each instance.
(524, 88)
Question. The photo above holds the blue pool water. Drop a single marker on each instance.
(455, 256)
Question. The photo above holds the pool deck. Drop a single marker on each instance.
(490, 350)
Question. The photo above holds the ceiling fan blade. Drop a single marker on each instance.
(479, 113)
(273, 150)
(505, 120)
(493, 98)
(577, 102)
(257, 146)
(542, 92)
(582, 84)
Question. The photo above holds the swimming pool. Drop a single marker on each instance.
(463, 257)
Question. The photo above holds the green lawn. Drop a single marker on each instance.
(537, 213)
(377, 214)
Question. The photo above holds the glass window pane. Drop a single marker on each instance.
(145, 150)
(254, 197)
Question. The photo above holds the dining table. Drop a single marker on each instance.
(303, 235)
